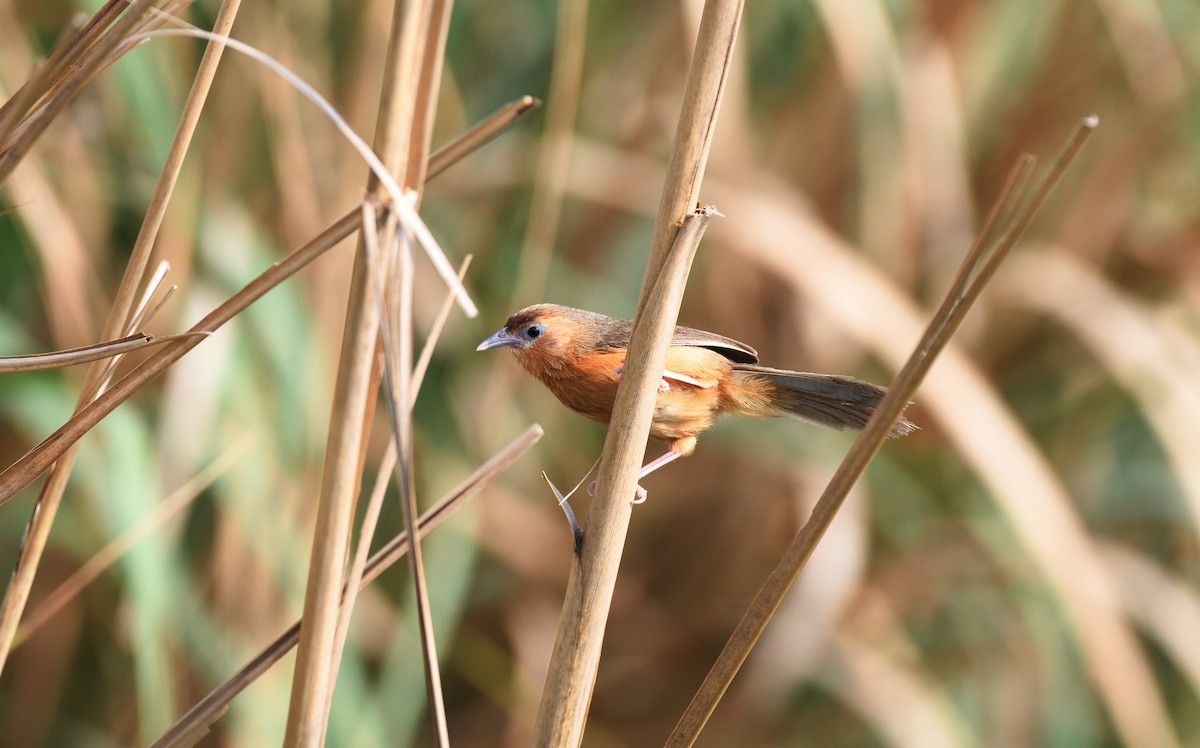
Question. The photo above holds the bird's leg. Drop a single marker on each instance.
(639, 494)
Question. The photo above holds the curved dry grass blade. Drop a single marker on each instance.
(25, 470)
(408, 214)
(196, 721)
(76, 356)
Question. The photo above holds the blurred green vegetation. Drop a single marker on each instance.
(934, 615)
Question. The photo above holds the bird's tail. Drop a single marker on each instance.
(832, 400)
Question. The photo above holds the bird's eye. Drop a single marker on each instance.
(533, 332)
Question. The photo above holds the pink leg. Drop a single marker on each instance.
(649, 467)
(658, 462)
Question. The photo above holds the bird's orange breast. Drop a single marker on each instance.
(588, 386)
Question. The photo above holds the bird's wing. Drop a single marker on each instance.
(617, 336)
(739, 353)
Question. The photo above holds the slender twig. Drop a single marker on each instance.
(375, 503)
(75, 356)
(189, 728)
(969, 282)
(396, 336)
(482, 133)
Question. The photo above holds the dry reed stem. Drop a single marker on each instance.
(24, 471)
(693, 137)
(968, 284)
(375, 503)
(989, 438)
(353, 393)
(195, 723)
(396, 337)
(119, 319)
(567, 693)
(428, 88)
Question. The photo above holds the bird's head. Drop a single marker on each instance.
(523, 330)
(547, 335)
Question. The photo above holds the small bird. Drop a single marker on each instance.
(579, 355)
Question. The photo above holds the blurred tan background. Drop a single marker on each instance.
(1022, 571)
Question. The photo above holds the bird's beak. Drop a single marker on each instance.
(499, 339)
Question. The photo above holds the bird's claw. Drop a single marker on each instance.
(663, 384)
(639, 493)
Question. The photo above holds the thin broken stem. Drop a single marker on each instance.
(968, 283)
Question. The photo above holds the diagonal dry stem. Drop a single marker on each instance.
(193, 725)
(24, 471)
(969, 282)
(702, 96)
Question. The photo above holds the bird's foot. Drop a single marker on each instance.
(639, 493)
(663, 384)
